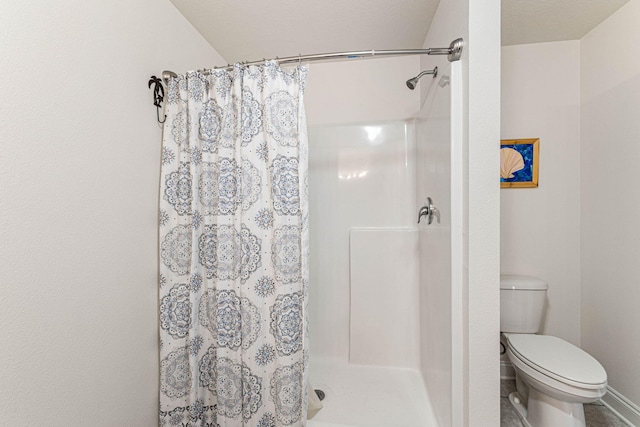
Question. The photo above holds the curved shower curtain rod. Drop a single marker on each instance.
(453, 52)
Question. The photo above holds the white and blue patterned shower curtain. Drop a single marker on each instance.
(233, 249)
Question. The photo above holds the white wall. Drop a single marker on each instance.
(610, 66)
(540, 227)
(483, 211)
(444, 329)
(78, 206)
(368, 90)
(475, 202)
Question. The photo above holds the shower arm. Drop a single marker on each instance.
(433, 72)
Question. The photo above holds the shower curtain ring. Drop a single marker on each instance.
(299, 60)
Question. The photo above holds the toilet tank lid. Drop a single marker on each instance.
(516, 282)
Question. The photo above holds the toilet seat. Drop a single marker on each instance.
(559, 360)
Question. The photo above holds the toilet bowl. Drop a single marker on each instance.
(553, 377)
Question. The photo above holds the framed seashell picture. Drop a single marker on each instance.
(519, 163)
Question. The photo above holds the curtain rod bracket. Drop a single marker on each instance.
(455, 50)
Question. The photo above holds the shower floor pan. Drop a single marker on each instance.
(370, 396)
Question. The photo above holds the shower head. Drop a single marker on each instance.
(412, 83)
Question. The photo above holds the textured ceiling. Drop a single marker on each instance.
(249, 30)
(534, 21)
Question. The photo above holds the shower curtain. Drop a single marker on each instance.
(233, 249)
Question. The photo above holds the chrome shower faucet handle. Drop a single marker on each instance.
(430, 211)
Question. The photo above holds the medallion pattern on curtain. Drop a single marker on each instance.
(233, 249)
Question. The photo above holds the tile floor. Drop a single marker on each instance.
(596, 414)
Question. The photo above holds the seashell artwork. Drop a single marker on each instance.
(519, 160)
(510, 161)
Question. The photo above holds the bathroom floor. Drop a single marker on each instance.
(596, 414)
(370, 396)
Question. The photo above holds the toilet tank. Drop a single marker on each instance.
(522, 301)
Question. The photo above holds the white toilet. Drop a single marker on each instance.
(553, 377)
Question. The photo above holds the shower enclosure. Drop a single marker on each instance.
(380, 283)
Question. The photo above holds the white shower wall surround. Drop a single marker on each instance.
(359, 176)
(435, 178)
(381, 284)
(384, 309)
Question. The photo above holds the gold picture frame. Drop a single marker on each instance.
(519, 161)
